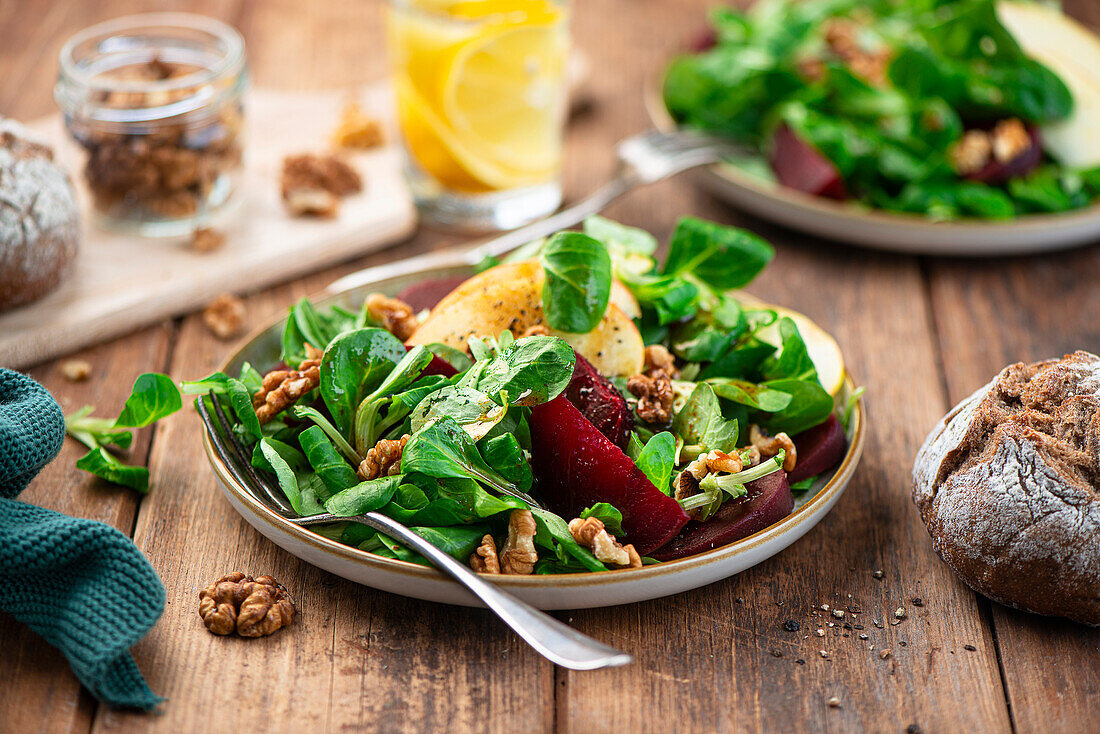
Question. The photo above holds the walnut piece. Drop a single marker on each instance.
(224, 316)
(357, 129)
(485, 559)
(719, 462)
(281, 388)
(313, 184)
(1010, 139)
(76, 370)
(395, 315)
(251, 607)
(654, 393)
(971, 152)
(772, 446)
(383, 460)
(659, 358)
(207, 239)
(844, 38)
(591, 533)
(518, 556)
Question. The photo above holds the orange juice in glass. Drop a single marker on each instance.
(481, 93)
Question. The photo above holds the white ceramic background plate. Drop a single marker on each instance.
(573, 591)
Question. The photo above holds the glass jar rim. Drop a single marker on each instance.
(76, 82)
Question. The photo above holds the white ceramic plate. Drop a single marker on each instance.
(573, 591)
(898, 231)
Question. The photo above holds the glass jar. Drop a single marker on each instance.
(156, 100)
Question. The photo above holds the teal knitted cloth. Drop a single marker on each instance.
(81, 584)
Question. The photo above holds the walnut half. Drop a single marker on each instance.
(251, 607)
(518, 556)
(591, 533)
(655, 396)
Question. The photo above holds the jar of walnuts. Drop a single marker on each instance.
(156, 101)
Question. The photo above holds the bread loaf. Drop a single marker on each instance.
(39, 220)
(1008, 485)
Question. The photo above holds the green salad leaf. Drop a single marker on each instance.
(531, 371)
(577, 284)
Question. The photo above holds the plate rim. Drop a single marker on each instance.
(807, 512)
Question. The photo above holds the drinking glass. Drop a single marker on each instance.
(481, 93)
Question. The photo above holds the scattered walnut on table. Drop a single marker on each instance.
(76, 370)
(772, 446)
(592, 534)
(485, 559)
(313, 184)
(224, 316)
(357, 129)
(518, 556)
(281, 388)
(395, 315)
(251, 607)
(207, 239)
(383, 460)
(654, 393)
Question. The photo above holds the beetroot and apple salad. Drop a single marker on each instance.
(513, 451)
(925, 106)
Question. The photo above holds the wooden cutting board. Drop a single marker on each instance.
(121, 283)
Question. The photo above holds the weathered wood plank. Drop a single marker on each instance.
(40, 693)
(991, 315)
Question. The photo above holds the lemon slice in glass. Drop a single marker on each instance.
(504, 95)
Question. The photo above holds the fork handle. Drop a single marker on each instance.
(591, 204)
(554, 640)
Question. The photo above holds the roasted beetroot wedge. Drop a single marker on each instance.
(576, 466)
(818, 448)
(599, 402)
(437, 366)
(799, 165)
(427, 293)
(768, 500)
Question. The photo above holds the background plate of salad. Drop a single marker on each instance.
(699, 429)
(948, 127)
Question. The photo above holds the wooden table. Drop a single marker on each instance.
(919, 333)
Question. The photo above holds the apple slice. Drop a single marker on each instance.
(768, 501)
(576, 466)
(509, 297)
(599, 402)
(799, 165)
(819, 448)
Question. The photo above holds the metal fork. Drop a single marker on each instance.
(642, 159)
(552, 639)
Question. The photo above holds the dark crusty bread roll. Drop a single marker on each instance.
(39, 220)
(1008, 484)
